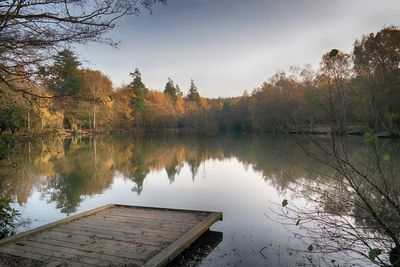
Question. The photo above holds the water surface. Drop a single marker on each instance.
(244, 177)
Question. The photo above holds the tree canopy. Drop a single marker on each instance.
(193, 94)
(32, 31)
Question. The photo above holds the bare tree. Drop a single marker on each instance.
(356, 207)
(32, 31)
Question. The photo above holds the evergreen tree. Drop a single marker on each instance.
(64, 78)
(193, 94)
(141, 91)
(137, 85)
(170, 89)
(178, 91)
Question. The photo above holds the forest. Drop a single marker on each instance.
(353, 92)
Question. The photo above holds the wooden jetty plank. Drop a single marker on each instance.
(123, 246)
(18, 258)
(135, 227)
(54, 254)
(130, 234)
(112, 235)
(174, 249)
(105, 249)
(125, 238)
(140, 218)
(135, 223)
(56, 223)
(67, 252)
(163, 233)
(171, 213)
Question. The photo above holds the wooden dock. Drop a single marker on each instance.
(112, 235)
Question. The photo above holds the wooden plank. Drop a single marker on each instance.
(70, 253)
(106, 249)
(59, 256)
(123, 206)
(190, 219)
(114, 229)
(178, 215)
(114, 224)
(139, 239)
(131, 232)
(11, 260)
(133, 217)
(130, 220)
(56, 223)
(19, 258)
(96, 242)
(174, 249)
(113, 235)
(168, 212)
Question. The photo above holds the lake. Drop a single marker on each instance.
(245, 177)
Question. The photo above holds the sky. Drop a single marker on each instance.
(227, 46)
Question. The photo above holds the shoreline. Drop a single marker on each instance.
(320, 130)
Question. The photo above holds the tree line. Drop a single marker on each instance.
(350, 92)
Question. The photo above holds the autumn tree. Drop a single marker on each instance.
(31, 31)
(160, 112)
(334, 80)
(64, 78)
(180, 101)
(377, 67)
(97, 89)
(180, 105)
(122, 108)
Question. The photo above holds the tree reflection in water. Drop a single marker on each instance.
(66, 171)
(354, 207)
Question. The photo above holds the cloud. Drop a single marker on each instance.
(227, 46)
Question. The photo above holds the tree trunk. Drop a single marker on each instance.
(29, 120)
(94, 117)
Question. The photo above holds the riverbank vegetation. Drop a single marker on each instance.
(359, 90)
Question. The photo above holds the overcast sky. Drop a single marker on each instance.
(227, 46)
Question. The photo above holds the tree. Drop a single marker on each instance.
(334, 79)
(193, 94)
(180, 104)
(8, 216)
(122, 108)
(63, 77)
(11, 118)
(178, 91)
(31, 31)
(170, 90)
(140, 91)
(377, 67)
(160, 112)
(354, 207)
(97, 89)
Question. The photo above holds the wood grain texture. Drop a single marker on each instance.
(112, 235)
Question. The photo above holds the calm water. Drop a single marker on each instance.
(244, 177)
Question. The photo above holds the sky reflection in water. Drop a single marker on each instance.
(241, 176)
